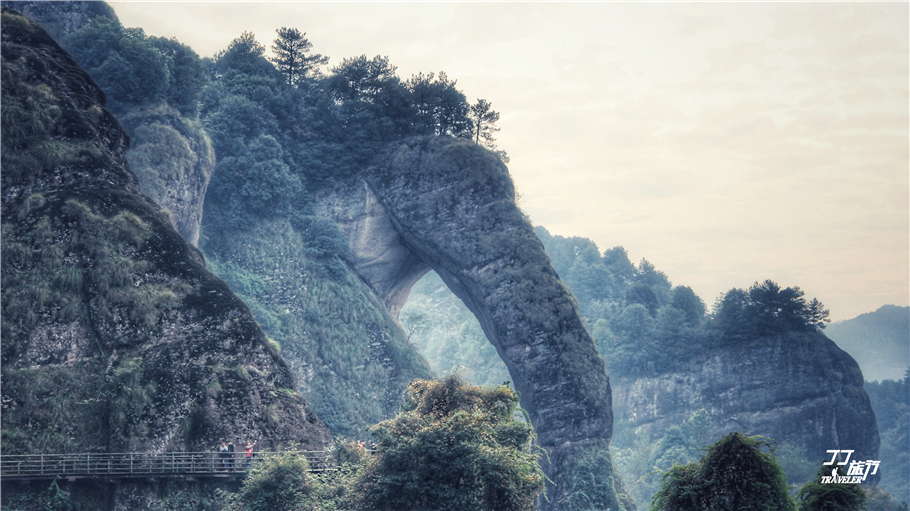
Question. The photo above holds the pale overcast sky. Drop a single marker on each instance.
(725, 142)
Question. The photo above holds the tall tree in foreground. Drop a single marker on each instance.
(291, 49)
(735, 474)
(455, 448)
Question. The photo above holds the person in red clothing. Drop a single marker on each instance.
(249, 452)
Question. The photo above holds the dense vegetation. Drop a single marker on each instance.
(816, 496)
(453, 446)
(737, 472)
(136, 70)
(891, 404)
(282, 129)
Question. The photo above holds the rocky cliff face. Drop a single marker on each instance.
(449, 205)
(115, 335)
(174, 160)
(377, 252)
(796, 388)
(170, 153)
(61, 18)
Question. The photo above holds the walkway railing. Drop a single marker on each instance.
(165, 464)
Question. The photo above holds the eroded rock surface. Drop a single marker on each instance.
(115, 335)
(174, 160)
(452, 205)
(376, 250)
(799, 388)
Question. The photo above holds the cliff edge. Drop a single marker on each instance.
(115, 336)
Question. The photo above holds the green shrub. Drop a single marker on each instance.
(456, 448)
(274, 482)
(815, 496)
(736, 473)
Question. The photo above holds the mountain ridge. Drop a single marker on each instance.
(878, 340)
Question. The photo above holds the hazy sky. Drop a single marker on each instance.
(725, 142)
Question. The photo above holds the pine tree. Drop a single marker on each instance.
(483, 118)
(290, 55)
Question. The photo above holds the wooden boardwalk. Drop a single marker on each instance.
(26, 467)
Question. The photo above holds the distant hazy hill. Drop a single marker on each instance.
(879, 341)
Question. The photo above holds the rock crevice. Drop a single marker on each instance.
(448, 205)
(798, 388)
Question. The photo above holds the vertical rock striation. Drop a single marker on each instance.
(173, 159)
(798, 388)
(452, 206)
(115, 336)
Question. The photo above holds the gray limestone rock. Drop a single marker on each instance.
(173, 160)
(798, 388)
(115, 335)
(449, 205)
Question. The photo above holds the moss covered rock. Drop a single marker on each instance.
(115, 336)
(452, 207)
(173, 158)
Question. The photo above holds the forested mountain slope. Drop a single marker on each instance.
(115, 336)
(879, 341)
(306, 163)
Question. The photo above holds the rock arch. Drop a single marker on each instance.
(448, 205)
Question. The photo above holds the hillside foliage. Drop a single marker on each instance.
(452, 446)
(891, 403)
(737, 472)
(135, 69)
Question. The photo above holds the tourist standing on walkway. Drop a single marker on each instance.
(223, 454)
(249, 452)
(231, 456)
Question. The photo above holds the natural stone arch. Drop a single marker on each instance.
(448, 205)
